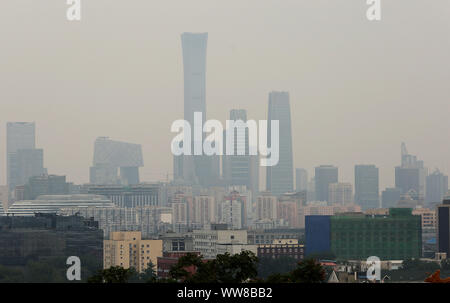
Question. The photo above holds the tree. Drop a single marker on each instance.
(236, 268)
(308, 271)
(149, 274)
(179, 271)
(270, 266)
(114, 274)
(225, 268)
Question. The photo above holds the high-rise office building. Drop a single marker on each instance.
(390, 197)
(195, 169)
(366, 186)
(437, 187)
(280, 178)
(443, 230)
(324, 176)
(241, 169)
(19, 136)
(340, 194)
(411, 174)
(29, 163)
(301, 179)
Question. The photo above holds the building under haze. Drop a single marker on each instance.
(23, 160)
(324, 176)
(241, 169)
(195, 169)
(411, 174)
(280, 177)
(113, 156)
(301, 179)
(390, 197)
(340, 194)
(437, 187)
(366, 186)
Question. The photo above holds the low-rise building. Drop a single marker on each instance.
(128, 250)
(282, 248)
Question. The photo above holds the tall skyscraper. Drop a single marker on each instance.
(437, 187)
(411, 174)
(194, 169)
(324, 176)
(23, 160)
(301, 179)
(241, 169)
(280, 178)
(366, 186)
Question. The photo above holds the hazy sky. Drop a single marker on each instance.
(358, 88)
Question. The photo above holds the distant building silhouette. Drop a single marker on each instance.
(23, 159)
(324, 176)
(301, 179)
(390, 197)
(280, 177)
(241, 169)
(109, 156)
(437, 187)
(366, 186)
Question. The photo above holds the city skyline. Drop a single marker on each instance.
(316, 90)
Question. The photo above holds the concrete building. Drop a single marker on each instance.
(177, 242)
(204, 211)
(324, 176)
(129, 250)
(282, 248)
(340, 194)
(280, 177)
(266, 207)
(211, 242)
(268, 236)
(367, 186)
